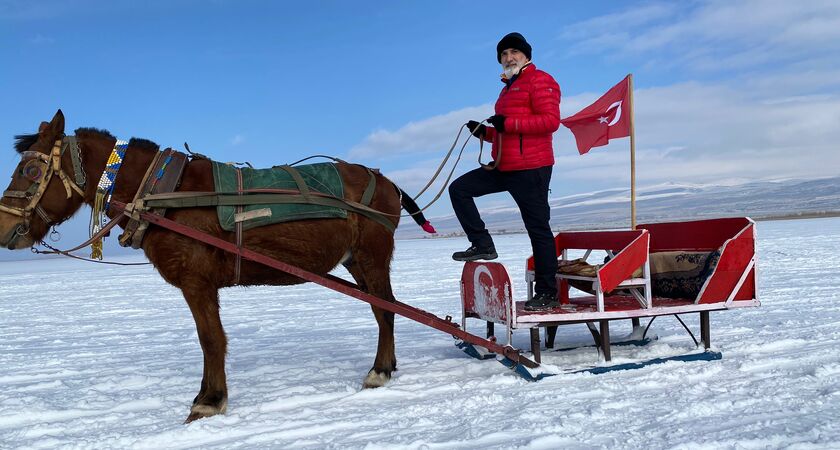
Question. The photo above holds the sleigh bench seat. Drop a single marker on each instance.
(626, 270)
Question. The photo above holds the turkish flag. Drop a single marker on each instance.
(607, 118)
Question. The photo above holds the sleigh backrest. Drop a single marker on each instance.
(733, 277)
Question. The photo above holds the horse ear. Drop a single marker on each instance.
(53, 127)
(57, 123)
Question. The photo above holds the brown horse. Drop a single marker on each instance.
(43, 193)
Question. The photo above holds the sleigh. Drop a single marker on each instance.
(644, 276)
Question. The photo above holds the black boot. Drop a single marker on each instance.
(475, 253)
(542, 302)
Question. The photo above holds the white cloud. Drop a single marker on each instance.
(432, 135)
(713, 35)
(689, 132)
(237, 140)
(601, 27)
(698, 132)
(772, 114)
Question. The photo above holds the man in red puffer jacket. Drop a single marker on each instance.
(527, 114)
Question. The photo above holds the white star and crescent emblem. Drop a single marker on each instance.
(603, 119)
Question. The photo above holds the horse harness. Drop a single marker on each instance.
(157, 193)
(40, 170)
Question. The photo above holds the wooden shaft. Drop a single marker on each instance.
(336, 284)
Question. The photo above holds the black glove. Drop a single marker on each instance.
(478, 130)
(498, 121)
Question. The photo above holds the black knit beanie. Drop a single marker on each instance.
(513, 40)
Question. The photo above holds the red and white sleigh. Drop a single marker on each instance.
(625, 286)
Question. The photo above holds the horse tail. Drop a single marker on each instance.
(411, 208)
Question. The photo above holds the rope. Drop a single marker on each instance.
(99, 235)
(451, 172)
(333, 158)
(96, 237)
(434, 177)
(56, 251)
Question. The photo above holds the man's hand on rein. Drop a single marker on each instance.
(478, 130)
(498, 122)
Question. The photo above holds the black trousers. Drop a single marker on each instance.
(529, 189)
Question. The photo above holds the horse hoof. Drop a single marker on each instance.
(202, 411)
(375, 379)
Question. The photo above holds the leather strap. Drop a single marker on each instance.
(207, 199)
(239, 208)
(127, 237)
(71, 143)
(301, 185)
(370, 189)
(163, 175)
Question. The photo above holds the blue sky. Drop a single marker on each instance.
(726, 91)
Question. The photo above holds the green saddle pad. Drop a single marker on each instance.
(321, 177)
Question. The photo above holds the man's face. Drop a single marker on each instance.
(513, 60)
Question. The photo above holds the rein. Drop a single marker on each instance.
(55, 251)
(96, 237)
(457, 160)
(437, 171)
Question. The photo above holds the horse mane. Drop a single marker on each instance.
(97, 131)
(24, 141)
(133, 142)
(143, 143)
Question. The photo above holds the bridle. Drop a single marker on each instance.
(40, 170)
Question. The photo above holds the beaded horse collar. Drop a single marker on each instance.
(104, 189)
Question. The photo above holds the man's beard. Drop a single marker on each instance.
(512, 70)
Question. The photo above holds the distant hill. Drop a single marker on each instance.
(665, 203)
(594, 210)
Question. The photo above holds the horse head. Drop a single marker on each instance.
(44, 190)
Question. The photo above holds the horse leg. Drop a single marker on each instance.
(386, 358)
(372, 276)
(204, 305)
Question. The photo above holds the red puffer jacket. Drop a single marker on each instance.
(531, 106)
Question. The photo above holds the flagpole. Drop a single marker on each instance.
(632, 158)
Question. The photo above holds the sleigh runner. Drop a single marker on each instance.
(634, 283)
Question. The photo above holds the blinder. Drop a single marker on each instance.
(34, 170)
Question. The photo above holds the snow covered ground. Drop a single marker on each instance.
(98, 356)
